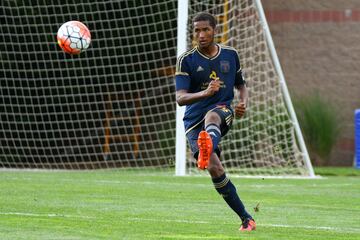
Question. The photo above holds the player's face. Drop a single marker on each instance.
(204, 34)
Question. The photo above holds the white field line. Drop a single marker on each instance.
(49, 215)
(54, 215)
(324, 228)
(134, 219)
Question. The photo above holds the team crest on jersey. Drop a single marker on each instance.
(224, 66)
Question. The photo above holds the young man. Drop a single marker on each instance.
(205, 80)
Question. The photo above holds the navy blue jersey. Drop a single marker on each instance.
(194, 72)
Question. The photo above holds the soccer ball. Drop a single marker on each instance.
(73, 37)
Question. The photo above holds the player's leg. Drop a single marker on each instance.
(222, 184)
(227, 190)
(217, 124)
(208, 139)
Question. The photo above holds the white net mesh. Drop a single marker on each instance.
(114, 105)
(111, 106)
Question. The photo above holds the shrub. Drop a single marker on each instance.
(320, 126)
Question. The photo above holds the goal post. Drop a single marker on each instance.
(180, 153)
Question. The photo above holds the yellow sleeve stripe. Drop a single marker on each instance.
(180, 59)
(182, 73)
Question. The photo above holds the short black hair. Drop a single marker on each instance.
(204, 16)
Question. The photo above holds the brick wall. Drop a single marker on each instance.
(318, 43)
(312, 16)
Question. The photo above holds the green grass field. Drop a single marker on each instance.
(119, 204)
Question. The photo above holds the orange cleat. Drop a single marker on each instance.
(248, 225)
(205, 149)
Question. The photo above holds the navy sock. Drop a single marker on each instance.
(215, 134)
(228, 191)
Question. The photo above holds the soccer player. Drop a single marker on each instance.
(205, 80)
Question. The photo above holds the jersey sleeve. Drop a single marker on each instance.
(182, 74)
(239, 78)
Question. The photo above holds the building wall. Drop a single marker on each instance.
(318, 44)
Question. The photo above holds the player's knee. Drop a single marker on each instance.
(212, 117)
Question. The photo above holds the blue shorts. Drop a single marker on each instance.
(226, 115)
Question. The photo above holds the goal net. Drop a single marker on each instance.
(113, 106)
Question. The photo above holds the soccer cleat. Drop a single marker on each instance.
(248, 225)
(205, 149)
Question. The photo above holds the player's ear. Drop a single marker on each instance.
(216, 29)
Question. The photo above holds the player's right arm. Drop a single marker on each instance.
(183, 80)
(183, 97)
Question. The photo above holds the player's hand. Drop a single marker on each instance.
(240, 109)
(213, 88)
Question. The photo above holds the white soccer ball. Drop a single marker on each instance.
(73, 37)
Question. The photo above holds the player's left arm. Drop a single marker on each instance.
(240, 85)
(240, 107)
